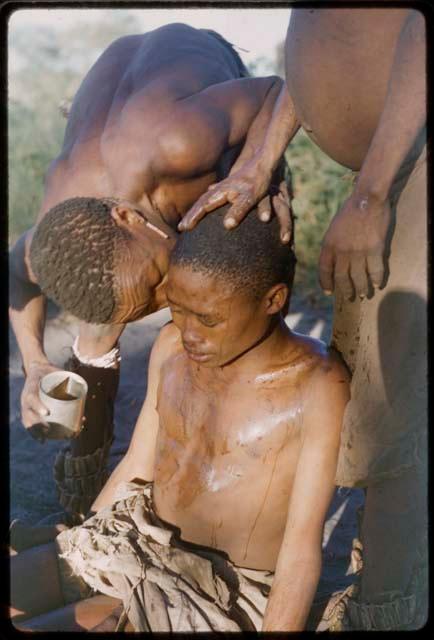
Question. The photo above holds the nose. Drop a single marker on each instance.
(191, 336)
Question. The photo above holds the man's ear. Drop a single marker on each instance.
(124, 214)
(276, 298)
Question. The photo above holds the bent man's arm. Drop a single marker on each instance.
(299, 563)
(353, 247)
(27, 307)
(251, 175)
(138, 461)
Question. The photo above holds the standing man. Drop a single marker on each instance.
(158, 118)
(356, 84)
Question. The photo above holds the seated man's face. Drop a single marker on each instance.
(217, 324)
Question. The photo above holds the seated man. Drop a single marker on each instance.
(213, 520)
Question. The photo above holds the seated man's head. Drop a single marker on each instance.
(226, 288)
(97, 259)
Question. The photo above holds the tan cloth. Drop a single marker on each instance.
(165, 584)
(384, 342)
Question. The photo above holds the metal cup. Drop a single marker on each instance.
(64, 394)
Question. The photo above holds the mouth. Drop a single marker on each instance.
(197, 356)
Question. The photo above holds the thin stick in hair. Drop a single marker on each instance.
(156, 229)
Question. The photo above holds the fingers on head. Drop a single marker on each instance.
(240, 208)
(264, 209)
(283, 213)
(196, 213)
(283, 187)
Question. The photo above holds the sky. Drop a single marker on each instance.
(255, 31)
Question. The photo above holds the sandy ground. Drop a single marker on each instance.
(32, 488)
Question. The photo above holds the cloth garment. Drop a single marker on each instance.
(166, 584)
(383, 340)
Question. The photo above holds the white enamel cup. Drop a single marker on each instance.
(65, 417)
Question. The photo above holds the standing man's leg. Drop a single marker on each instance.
(384, 439)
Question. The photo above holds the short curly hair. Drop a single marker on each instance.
(249, 258)
(72, 255)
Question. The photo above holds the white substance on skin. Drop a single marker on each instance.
(218, 480)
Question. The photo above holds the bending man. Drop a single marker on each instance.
(146, 135)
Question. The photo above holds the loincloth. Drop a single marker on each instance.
(126, 552)
(384, 342)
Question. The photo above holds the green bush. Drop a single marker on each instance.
(320, 186)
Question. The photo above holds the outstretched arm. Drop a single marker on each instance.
(299, 563)
(27, 307)
(353, 247)
(250, 176)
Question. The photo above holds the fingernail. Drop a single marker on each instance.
(230, 223)
(285, 237)
(43, 412)
(327, 292)
(264, 216)
(375, 285)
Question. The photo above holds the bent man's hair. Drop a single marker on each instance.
(72, 256)
(250, 257)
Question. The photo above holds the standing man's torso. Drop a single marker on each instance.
(338, 64)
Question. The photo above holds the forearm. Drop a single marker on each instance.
(27, 313)
(403, 116)
(282, 127)
(292, 594)
(257, 131)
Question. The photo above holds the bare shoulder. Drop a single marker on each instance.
(167, 344)
(320, 360)
(326, 387)
(323, 377)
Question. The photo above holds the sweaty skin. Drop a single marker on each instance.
(219, 464)
(152, 131)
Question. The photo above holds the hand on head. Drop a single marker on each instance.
(244, 189)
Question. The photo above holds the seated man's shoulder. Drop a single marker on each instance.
(167, 344)
(321, 363)
(169, 338)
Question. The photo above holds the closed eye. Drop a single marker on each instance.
(208, 322)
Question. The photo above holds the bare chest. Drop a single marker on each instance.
(225, 462)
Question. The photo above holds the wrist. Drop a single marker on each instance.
(373, 187)
(369, 200)
(34, 361)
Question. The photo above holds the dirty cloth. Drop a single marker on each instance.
(384, 342)
(166, 584)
